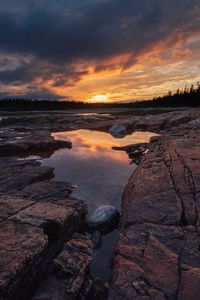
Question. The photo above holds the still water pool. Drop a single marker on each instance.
(99, 172)
(100, 175)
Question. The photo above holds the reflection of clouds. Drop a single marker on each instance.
(96, 138)
(96, 145)
(100, 148)
(99, 172)
(90, 153)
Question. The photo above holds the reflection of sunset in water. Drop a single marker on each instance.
(99, 172)
(98, 144)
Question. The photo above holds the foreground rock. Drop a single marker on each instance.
(37, 217)
(68, 271)
(103, 219)
(157, 255)
(30, 236)
(52, 192)
(22, 250)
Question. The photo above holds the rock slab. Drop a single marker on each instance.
(157, 255)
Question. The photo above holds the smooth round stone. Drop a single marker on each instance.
(118, 131)
(103, 219)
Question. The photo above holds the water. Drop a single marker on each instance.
(100, 174)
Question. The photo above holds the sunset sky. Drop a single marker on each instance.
(98, 50)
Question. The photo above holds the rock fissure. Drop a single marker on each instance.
(167, 253)
(169, 166)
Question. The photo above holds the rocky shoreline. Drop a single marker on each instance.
(157, 255)
(44, 255)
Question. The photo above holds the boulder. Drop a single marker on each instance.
(118, 131)
(103, 219)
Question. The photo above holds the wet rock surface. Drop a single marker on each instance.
(21, 142)
(103, 219)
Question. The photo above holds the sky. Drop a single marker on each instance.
(98, 50)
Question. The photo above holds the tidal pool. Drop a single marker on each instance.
(99, 174)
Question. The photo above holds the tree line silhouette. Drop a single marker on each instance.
(189, 96)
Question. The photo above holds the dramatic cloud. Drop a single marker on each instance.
(58, 44)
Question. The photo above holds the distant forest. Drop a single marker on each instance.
(186, 97)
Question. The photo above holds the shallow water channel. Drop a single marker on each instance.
(99, 174)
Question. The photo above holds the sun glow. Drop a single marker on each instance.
(98, 98)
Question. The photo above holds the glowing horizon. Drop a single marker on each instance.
(101, 51)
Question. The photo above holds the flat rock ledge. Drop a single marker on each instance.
(23, 142)
(157, 256)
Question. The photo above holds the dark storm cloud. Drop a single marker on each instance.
(32, 92)
(20, 75)
(27, 71)
(60, 34)
(97, 29)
